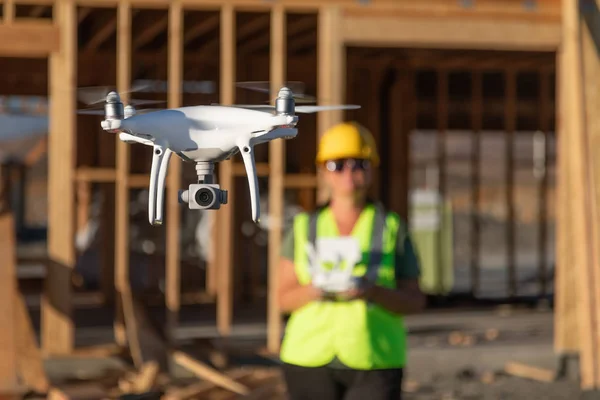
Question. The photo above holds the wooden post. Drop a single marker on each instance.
(510, 119)
(276, 178)
(57, 325)
(122, 284)
(582, 184)
(225, 214)
(331, 66)
(8, 351)
(476, 123)
(402, 101)
(566, 332)
(173, 286)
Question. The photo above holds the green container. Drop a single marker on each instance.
(431, 231)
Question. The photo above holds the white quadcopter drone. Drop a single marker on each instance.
(205, 135)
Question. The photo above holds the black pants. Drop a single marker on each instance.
(323, 383)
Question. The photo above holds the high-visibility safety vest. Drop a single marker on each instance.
(361, 335)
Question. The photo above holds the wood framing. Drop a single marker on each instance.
(57, 324)
(579, 124)
(9, 380)
(173, 279)
(29, 39)
(457, 33)
(123, 164)
(414, 28)
(225, 216)
(276, 180)
(331, 69)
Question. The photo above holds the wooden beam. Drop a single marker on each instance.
(507, 8)
(173, 261)
(101, 35)
(9, 380)
(37, 11)
(244, 32)
(122, 285)
(57, 325)
(201, 28)
(456, 33)
(150, 33)
(29, 39)
(8, 11)
(331, 68)
(566, 327)
(225, 216)
(262, 42)
(276, 181)
(582, 218)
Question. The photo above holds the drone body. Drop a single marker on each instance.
(204, 135)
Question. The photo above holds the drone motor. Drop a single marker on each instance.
(285, 104)
(113, 109)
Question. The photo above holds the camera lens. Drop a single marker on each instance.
(204, 197)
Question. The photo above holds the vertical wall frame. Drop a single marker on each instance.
(57, 325)
(276, 178)
(123, 162)
(173, 256)
(331, 74)
(225, 216)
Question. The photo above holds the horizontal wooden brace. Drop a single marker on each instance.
(450, 33)
(108, 175)
(262, 169)
(28, 39)
(442, 8)
(300, 181)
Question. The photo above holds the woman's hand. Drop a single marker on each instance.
(361, 292)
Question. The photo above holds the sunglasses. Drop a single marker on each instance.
(355, 164)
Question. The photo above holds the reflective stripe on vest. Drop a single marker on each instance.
(362, 336)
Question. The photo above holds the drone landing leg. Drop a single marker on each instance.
(160, 164)
(248, 156)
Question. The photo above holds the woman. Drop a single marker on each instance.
(348, 345)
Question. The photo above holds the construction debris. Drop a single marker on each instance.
(530, 372)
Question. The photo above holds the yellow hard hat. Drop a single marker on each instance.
(347, 140)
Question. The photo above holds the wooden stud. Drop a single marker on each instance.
(123, 162)
(442, 136)
(457, 33)
(225, 216)
(544, 100)
(402, 123)
(29, 39)
(8, 11)
(566, 330)
(276, 180)
(9, 381)
(331, 69)
(57, 325)
(476, 124)
(173, 278)
(573, 115)
(510, 119)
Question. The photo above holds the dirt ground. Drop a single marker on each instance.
(456, 356)
(463, 357)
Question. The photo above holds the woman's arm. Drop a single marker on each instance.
(407, 298)
(291, 294)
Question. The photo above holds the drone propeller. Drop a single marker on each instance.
(93, 111)
(296, 87)
(92, 95)
(298, 109)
